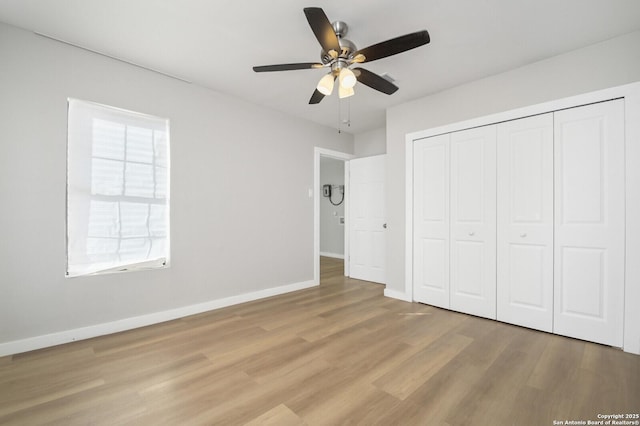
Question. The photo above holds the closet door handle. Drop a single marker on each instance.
(471, 233)
(524, 234)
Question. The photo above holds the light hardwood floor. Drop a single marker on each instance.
(340, 353)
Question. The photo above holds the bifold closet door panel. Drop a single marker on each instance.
(431, 221)
(589, 222)
(473, 221)
(525, 222)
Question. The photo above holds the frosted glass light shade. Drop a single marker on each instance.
(347, 78)
(345, 92)
(325, 85)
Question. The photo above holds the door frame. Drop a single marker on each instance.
(336, 155)
(631, 94)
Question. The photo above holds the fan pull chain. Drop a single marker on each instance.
(347, 121)
(339, 115)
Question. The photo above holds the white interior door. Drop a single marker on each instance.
(431, 221)
(589, 222)
(473, 221)
(368, 219)
(525, 222)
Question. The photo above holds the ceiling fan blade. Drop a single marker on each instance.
(322, 28)
(394, 46)
(316, 97)
(375, 81)
(288, 67)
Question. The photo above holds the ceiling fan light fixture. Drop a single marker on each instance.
(325, 85)
(345, 92)
(347, 78)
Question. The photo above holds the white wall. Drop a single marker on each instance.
(331, 231)
(610, 63)
(373, 142)
(230, 235)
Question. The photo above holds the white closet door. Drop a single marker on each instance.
(589, 222)
(525, 222)
(431, 221)
(473, 221)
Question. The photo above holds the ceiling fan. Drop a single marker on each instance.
(339, 54)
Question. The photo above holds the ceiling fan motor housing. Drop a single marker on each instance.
(348, 48)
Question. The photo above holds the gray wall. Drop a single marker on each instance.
(241, 216)
(331, 231)
(370, 143)
(607, 64)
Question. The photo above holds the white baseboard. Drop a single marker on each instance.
(39, 342)
(334, 255)
(397, 295)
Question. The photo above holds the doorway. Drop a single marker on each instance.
(335, 222)
(332, 208)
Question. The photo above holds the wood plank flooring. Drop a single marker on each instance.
(340, 353)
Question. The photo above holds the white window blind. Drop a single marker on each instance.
(117, 189)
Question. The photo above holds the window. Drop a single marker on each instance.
(117, 190)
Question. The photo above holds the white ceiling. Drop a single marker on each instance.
(214, 43)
